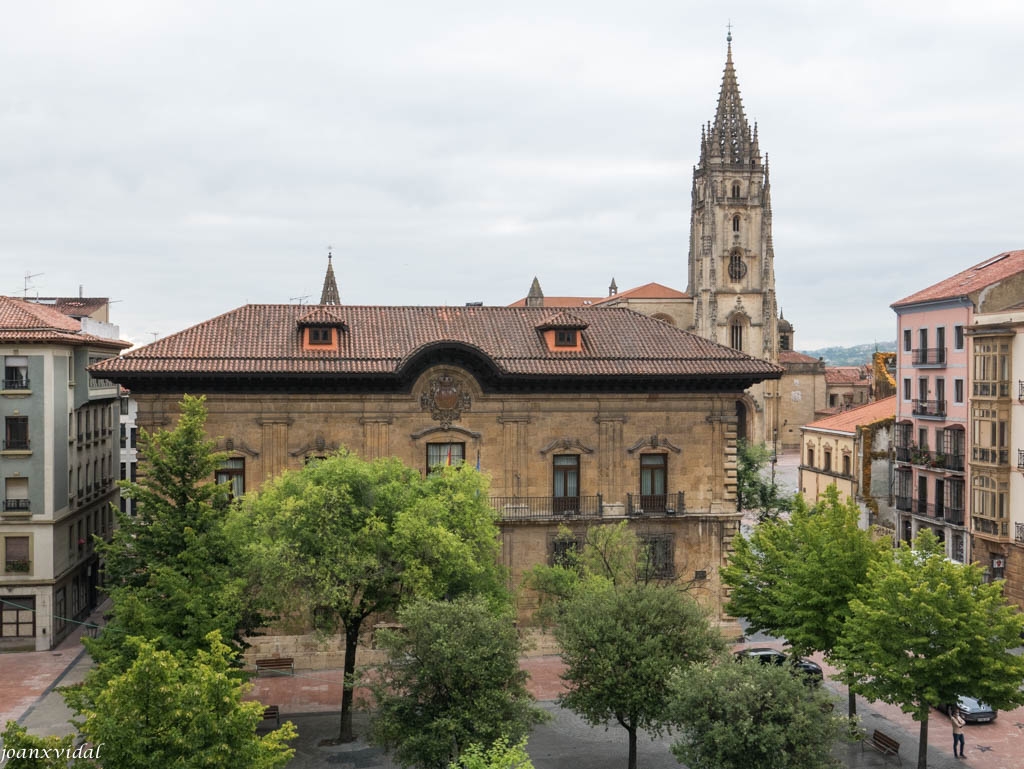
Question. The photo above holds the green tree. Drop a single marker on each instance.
(796, 578)
(173, 572)
(350, 538)
(620, 646)
(453, 680)
(928, 630)
(22, 750)
(753, 492)
(178, 709)
(738, 715)
(500, 755)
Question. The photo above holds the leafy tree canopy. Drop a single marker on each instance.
(501, 755)
(175, 709)
(621, 646)
(737, 715)
(753, 492)
(453, 681)
(21, 750)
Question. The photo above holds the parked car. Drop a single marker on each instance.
(769, 656)
(974, 711)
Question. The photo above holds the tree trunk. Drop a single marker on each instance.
(851, 703)
(351, 641)
(632, 747)
(922, 745)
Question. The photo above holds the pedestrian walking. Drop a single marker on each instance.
(958, 730)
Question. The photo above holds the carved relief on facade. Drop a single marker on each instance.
(446, 397)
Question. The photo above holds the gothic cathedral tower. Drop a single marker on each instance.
(731, 262)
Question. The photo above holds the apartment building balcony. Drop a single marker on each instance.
(17, 444)
(991, 528)
(904, 504)
(1020, 390)
(935, 460)
(1018, 532)
(661, 504)
(954, 515)
(540, 508)
(17, 505)
(928, 356)
(17, 567)
(1020, 459)
(991, 456)
(929, 408)
(991, 389)
(18, 384)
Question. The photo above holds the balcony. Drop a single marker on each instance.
(903, 453)
(1020, 459)
(990, 456)
(992, 528)
(17, 505)
(541, 508)
(954, 515)
(655, 504)
(991, 389)
(17, 566)
(1018, 532)
(18, 383)
(905, 504)
(929, 356)
(1020, 390)
(17, 444)
(927, 408)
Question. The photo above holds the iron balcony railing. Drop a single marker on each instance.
(1018, 532)
(902, 453)
(929, 408)
(992, 528)
(1020, 459)
(16, 444)
(18, 383)
(929, 356)
(534, 508)
(992, 456)
(16, 504)
(656, 504)
(904, 504)
(1020, 389)
(18, 566)
(954, 515)
(934, 459)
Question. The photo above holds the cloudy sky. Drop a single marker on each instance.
(184, 158)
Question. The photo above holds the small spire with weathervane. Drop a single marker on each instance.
(330, 294)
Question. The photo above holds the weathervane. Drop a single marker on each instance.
(728, 37)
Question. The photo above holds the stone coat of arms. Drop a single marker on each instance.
(445, 400)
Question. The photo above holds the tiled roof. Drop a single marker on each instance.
(321, 316)
(848, 421)
(75, 306)
(562, 319)
(564, 301)
(973, 279)
(647, 291)
(846, 375)
(265, 340)
(26, 322)
(792, 356)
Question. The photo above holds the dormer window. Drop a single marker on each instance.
(320, 336)
(566, 337)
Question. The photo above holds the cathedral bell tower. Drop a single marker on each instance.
(731, 261)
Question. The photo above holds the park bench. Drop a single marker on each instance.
(272, 711)
(276, 664)
(884, 744)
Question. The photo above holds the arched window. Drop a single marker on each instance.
(736, 335)
(736, 189)
(737, 269)
(736, 223)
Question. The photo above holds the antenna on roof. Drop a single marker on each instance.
(28, 277)
(299, 299)
(155, 334)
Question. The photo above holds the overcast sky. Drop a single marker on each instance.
(185, 158)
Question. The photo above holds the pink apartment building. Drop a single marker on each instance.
(943, 441)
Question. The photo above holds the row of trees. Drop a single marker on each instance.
(907, 627)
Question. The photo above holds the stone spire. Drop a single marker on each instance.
(729, 137)
(612, 288)
(536, 297)
(330, 294)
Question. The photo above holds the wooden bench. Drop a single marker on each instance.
(276, 664)
(272, 711)
(884, 744)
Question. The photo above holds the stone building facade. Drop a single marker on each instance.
(580, 417)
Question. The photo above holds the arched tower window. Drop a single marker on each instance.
(737, 269)
(735, 189)
(736, 223)
(736, 335)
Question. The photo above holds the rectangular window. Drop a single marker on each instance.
(940, 344)
(922, 388)
(16, 433)
(17, 555)
(958, 390)
(660, 555)
(922, 336)
(940, 389)
(810, 456)
(18, 617)
(846, 464)
(232, 472)
(445, 454)
(906, 389)
(563, 550)
(124, 407)
(15, 372)
(16, 494)
(828, 460)
(320, 336)
(566, 482)
(906, 340)
(736, 336)
(653, 474)
(565, 337)
(958, 337)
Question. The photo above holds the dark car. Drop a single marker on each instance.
(769, 656)
(974, 711)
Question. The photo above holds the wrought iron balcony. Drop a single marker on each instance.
(903, 453)
(1020, 459)
(904, 504)
(1018, 532)
(656, 504)
(954, 515)
(17, 505)
(929, 356)
(18, 383)
(929, 408)
(18, 566)
(16, 444)
(539, 508)
(955, 462)
(1020, 389)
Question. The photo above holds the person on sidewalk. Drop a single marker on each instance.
(958, 730)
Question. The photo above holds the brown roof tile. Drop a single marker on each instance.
(792, 356)
(26, 322)
(972, 279)
(646, 291)
(263, 339)
(846, 375)
(848, 421)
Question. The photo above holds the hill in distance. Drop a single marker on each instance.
(857, 355)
